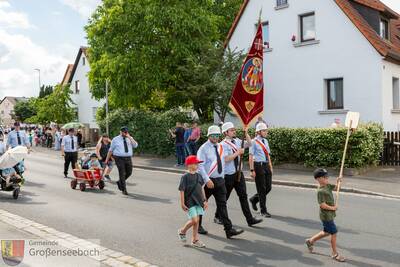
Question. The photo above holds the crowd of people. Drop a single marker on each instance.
(186, 140)
(44, 136)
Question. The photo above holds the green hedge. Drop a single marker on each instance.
(308, 146)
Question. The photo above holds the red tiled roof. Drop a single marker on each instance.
(67, 74)
(389, 49)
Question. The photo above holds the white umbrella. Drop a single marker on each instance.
(13, 156)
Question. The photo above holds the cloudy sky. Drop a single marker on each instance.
(45, 34)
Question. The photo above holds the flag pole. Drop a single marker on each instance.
(343, 160)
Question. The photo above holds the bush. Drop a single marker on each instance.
(323, 147)
(311, 147)
(150, 129)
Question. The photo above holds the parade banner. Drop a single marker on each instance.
(247, 99)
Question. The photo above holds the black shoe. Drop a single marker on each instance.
(202, 231)
(119, 186)
(266, 214)
(253, 204)
(233, 232)
(65, 175)
(217, 220)
(254, 221)
(107, 177)
(124, 192)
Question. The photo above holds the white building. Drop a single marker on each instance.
(7, 105)
(324, 58)
(86, 106)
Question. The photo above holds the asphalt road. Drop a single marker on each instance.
(144, 224)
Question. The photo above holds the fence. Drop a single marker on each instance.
(391, 149)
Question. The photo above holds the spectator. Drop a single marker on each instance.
(178, 134)
(80, 137)
(57, 141)
(188, 132)
(194, 138)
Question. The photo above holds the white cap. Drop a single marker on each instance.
(214, 129)
(261, 126)
(226, 126)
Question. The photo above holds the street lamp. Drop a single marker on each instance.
(107, 125)
(40, 84)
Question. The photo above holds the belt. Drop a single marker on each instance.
(217, 178)
(260, 163)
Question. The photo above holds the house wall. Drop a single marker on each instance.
(294, 77)
(6, 108)
(391, 120)
(84, 100)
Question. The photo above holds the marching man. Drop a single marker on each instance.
(233, 179)
(261, 168)
(212, 172)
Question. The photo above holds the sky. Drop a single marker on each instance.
(46, 35)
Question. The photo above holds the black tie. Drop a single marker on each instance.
(125, 145)
(236, 160)
(218, 159)
(263, 141)
(18, 139)
(72, 143)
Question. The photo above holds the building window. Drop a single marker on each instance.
(77, 87)
(335, 93)
(83, 61)
(94, 111)
(265, 31)
(396, 93)
(307, 27)
(76, 114)
(384, 27)
(280, 3)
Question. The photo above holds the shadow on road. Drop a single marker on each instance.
(33, 184)
(25, 197)
(147, 198)
(249, 253)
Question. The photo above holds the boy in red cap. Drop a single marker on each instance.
(193, 200)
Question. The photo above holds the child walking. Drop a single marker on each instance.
(193, 200)
(327, 212)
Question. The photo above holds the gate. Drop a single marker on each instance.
(391, 149)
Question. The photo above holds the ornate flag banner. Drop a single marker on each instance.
(247, 99)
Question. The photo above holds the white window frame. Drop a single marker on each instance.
(396, 93)
(384, 33)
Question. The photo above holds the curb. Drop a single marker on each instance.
(281, 182)
(107, 256)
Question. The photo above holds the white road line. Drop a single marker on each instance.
(286, 186)
(108, 257)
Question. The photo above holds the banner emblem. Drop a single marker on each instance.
(250, 105)
(252, 76)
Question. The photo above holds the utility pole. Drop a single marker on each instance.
(40, 84)
(107, 126)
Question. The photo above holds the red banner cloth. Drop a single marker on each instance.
(247, 99)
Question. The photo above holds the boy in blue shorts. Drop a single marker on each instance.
(327, 212)
(193, 200)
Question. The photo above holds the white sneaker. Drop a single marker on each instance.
(198, 244)
(182, 237)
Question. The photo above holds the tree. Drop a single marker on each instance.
(45, 91)
(25, 109)
(224, 80)
(142, 47)
(55, 107)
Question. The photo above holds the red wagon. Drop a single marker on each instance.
(88, 177)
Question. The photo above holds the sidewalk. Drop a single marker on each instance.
(382, 181)
(45, 246)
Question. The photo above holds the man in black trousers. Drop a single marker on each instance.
(233, 178)
(122, 151)
(69, 150)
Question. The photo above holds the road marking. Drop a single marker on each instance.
(108, 257)
(291, 187)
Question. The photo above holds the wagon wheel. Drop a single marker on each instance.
(101, 184)
(74, 183)
(82, 186)
(16, 193)
(91, 183)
